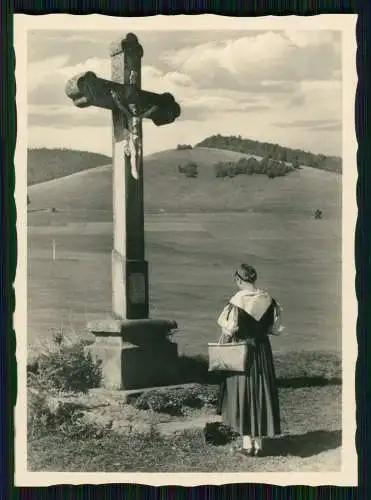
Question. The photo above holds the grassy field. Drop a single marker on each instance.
(311, 440)
(208, 226)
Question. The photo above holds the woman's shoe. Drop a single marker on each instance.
(258, 452)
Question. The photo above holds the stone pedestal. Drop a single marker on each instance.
(135, 354)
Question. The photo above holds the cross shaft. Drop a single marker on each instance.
(129, 105)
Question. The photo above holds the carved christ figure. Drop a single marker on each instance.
(133, 146)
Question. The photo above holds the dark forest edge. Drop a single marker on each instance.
(277, 152)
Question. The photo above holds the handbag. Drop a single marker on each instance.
(231, 357)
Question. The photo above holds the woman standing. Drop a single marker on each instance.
(249, 401)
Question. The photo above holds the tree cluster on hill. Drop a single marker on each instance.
(277, 152)
(249, 166)
(190, 169)
(184, 146)
(46, 164)
(245, 166)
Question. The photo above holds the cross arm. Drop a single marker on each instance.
(87, 89)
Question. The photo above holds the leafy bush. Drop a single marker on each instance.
(190, 169)
(220, 170)
(159, 401)
(67, 366)
(184, 146)
(46, 415)
(219, 434)
(175, 401)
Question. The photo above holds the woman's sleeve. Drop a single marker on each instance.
(277, 318)
(228, 320)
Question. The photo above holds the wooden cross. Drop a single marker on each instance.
(129, 105)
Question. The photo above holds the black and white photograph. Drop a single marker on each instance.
(185, 304)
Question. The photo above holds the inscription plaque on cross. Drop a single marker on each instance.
(129, 105)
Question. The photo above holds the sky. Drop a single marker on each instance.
(272, 86)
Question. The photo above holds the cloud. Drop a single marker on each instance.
(67, 117)
(275, 86)
(86, 44)
(313, 38)
(273, 55)
(195, 103)
(257, 127)
(39, 72)
(312, 124)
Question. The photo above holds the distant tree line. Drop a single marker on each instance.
(184, 146)
(276, 152)
(249, 166)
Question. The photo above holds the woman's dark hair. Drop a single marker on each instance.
(246, 273)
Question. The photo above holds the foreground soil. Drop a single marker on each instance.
(148, 442)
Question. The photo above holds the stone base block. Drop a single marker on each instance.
(109, 351)
(126, 365)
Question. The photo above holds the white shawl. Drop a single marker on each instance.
(253, 302)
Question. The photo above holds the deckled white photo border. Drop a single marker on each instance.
(344, 22)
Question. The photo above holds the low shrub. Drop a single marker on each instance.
(66, 366)
(47, 414)
(190, 169)
(219, 434)
(159, 401)
(175, 401)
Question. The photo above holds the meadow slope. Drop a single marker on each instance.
(165, 188)
(44, 164)
(208, 226)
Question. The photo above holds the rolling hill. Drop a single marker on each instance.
(258, 148)
(47, 164)
(165, 188)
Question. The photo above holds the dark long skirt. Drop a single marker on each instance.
(249, 401)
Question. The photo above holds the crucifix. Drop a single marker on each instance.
(129, 105)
